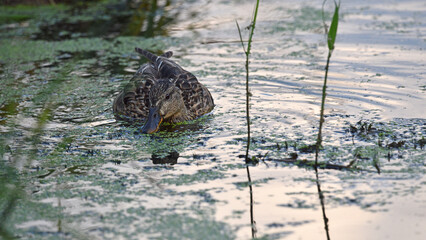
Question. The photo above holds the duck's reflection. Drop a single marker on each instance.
(171, 158)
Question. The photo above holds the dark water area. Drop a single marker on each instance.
(69, 170)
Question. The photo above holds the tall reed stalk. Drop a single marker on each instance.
(247, 52)
(331, 38)
(248, 94)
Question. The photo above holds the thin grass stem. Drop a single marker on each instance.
(321, 122)
(247, 52)
(331, 34)
(331, 38)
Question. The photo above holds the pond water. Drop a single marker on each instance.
(70, 171)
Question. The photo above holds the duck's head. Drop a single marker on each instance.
(166, 102)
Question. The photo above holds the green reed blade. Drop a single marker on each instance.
(332, 33)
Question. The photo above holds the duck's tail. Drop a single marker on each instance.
(167, 54)
(166, 67)
(152, 57)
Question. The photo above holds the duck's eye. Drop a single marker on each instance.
(167, 96)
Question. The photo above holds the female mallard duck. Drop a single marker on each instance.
(162, 91)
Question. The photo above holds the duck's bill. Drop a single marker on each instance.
(153, 123)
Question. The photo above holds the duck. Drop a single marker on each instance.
(161, 91)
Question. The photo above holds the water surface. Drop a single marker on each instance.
(84, 175)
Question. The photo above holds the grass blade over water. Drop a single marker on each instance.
(251, 27)
(247, 51)
(331, 38)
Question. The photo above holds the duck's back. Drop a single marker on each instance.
(132, 104)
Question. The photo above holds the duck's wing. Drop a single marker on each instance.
(196, 96)
(132, 103)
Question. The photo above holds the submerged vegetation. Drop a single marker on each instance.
(69, 171)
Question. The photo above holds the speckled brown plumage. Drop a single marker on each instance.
(164, 85)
